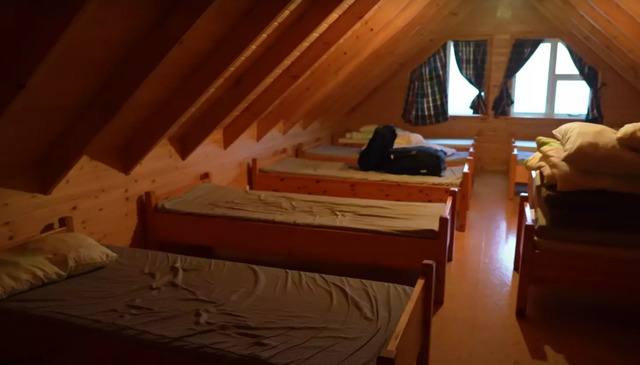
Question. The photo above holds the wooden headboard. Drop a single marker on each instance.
(63, 224)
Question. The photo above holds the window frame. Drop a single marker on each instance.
(553, 79)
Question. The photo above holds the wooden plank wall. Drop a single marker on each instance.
(103, 201)
(520, 20)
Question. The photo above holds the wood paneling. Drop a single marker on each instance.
(198, 87)
(103, 201)
(58, 159)
(29, 30)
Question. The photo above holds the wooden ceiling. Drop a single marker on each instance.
(112, 78)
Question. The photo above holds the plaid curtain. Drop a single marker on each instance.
(471, 57)
(426, 100)
(590, 76)
(522, 50)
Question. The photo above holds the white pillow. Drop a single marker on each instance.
(629, 136)
(73, 253)
(49, 259)
(594, 148)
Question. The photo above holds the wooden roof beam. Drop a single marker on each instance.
(620, 17)
(433, 20)
(290, 76)
(63, 154)
(30, 29)
(611, 30)
(407, 18)
(230, 48)
(188, 138)
(338, 61)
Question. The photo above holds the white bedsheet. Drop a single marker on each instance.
(452, 176)
(364, 215)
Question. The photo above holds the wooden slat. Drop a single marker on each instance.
(432, 21)
(151, 50)
(621, 18)
(339, 60)
(167, 117)
(631, 6)
(29, 30)
(213, 116)
(607, 26)
(291, 75)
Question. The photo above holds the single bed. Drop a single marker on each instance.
(339, 179)
(520, 151)
(162, 308)
(349, 154)
(590, 247)
(252, 226)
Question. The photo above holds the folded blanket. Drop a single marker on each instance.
(550, 161)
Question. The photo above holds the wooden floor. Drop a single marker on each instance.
(477, 324)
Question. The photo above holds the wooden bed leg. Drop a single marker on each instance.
(442, 255)
(66, 222)
(299, 150)
(150, 201)
(253, 173)
(452, 222)
(428, 273)
(465, 191)
(513, 162)
(526, 261)
(519, 232)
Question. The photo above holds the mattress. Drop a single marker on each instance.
(209, 310)
(361, 215)
(363, 139)
(452, 176)
(352, 153)
(585, 217)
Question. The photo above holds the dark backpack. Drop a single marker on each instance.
(419, 160)
(375, 156)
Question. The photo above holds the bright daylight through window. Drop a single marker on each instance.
(549, 85)
(461, 92)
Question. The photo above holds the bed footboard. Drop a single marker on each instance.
(410, 342)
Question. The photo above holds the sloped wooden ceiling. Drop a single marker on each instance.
(112, 78)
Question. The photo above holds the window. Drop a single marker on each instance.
(549, 85)
(461, 93)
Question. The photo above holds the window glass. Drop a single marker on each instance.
(532, 82)
(461, 92)
(564, 63)
(572, 97)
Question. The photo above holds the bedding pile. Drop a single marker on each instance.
(586, 156)
(404, 139)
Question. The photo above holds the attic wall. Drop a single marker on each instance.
(103, 201)
(383, 105)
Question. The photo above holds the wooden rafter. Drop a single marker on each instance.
(168, 116)
(432, 20)
(60, 158)
(29, 30)
(197, 130)
(622, 19)
(338, 61)
(290, 76)
(607, 27)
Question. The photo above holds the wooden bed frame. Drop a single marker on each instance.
(244, 240)
(517, 173)
(409, 343)
(607, 270)
(366, 189)
(300, 152)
